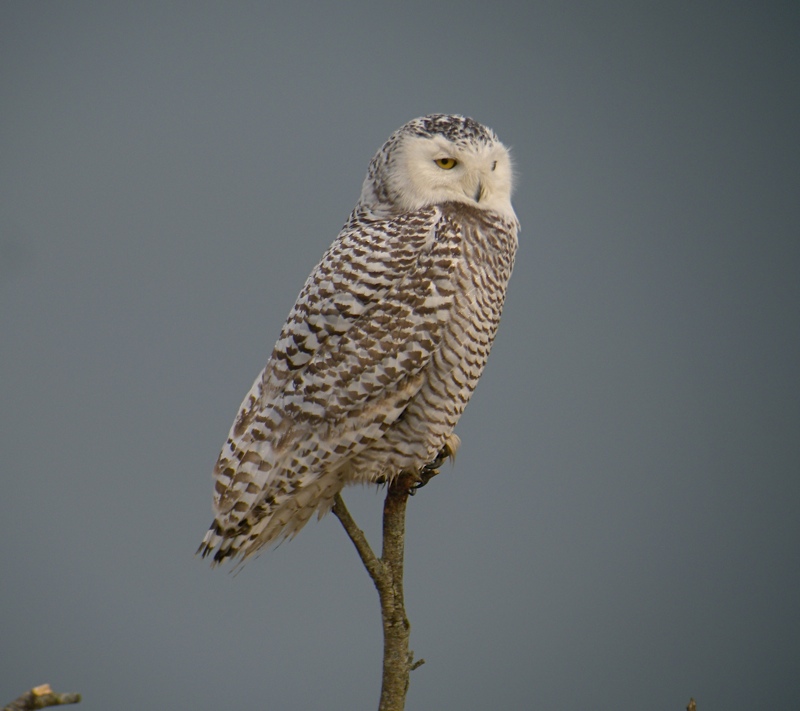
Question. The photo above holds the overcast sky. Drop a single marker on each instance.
(622, 526)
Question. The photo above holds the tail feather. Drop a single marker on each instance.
(268, 523)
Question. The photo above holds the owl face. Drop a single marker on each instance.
(442, 158)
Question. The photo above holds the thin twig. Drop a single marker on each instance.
(371, 562)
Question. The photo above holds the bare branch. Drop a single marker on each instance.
(387, 574)
(41, 697)
(397, 658)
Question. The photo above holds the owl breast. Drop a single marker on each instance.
(485, 245)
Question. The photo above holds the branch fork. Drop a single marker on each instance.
(387, 574)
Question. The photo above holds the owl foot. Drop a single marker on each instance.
(431, 469)
(423, 477)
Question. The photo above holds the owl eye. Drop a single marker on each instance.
(446, 163)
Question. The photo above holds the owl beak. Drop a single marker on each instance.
(479, 192)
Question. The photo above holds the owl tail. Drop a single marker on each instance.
(268, 523)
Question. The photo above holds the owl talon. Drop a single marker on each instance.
(423, 477)
(431, 469)
(444, 454)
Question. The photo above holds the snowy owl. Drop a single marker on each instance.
(386, 342)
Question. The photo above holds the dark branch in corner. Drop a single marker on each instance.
(41, 697)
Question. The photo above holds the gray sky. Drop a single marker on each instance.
(621, 528)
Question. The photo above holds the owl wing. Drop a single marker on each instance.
(348, 360)
(374, 332)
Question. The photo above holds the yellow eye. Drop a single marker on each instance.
(446, 163)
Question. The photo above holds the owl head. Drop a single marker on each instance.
(440, 158)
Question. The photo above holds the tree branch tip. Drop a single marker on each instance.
(417, 664)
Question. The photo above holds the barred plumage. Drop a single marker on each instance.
(386, 342)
